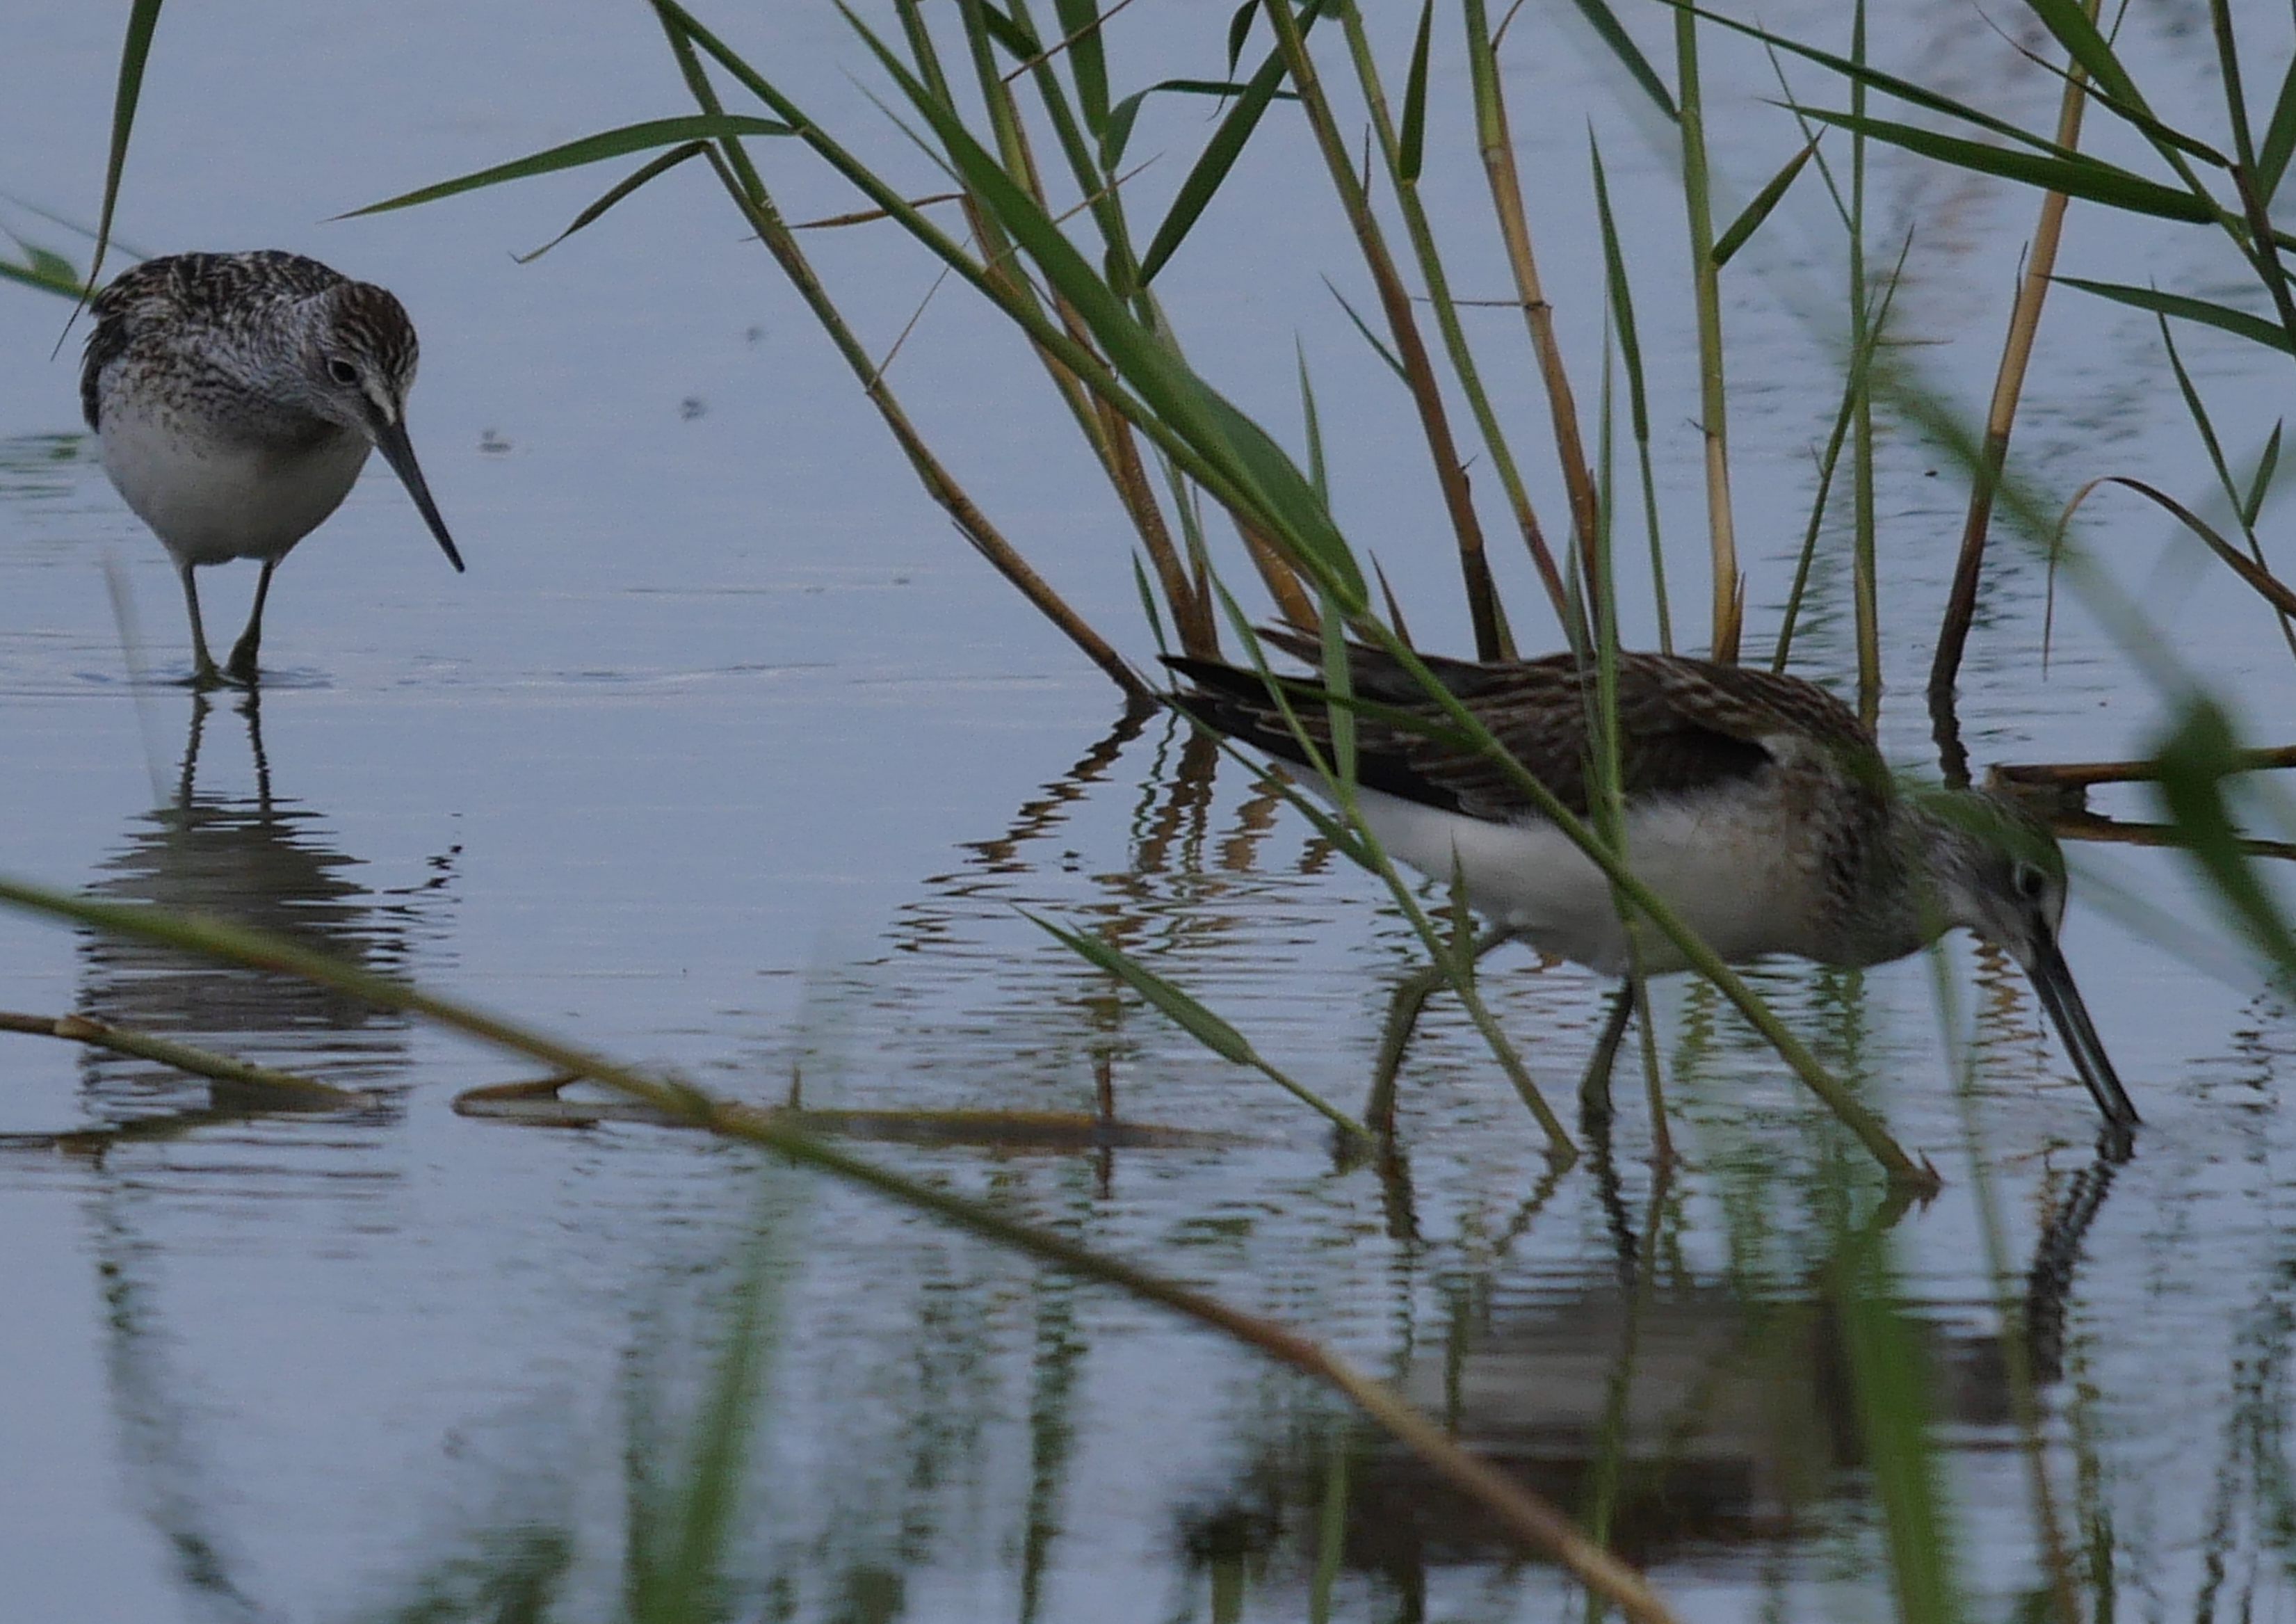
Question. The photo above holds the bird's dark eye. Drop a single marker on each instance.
(2031, 883)
(342, 372)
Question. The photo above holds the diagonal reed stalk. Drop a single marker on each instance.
(1109, 437)
(1496, 143)
(1403, 155)
(2000, 418)
(1493, 640)
(748, 192)
(1529, 1518)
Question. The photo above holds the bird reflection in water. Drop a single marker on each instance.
(255, 859)
(1695, 1421)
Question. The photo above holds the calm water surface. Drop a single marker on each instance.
(727, 755)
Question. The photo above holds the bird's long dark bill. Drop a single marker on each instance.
(2055, 982)
(398, 451)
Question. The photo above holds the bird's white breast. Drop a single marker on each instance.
(1722, 861)
(211, 496)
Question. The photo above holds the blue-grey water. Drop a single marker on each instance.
(727, 755)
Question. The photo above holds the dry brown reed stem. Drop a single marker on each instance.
(1292, 604)
(1722, 534)
(2008, 386)
(306, 1091)
(1538, 1524)
(1497, 142)
(2077, 825)
(747, 189)
(1492, 639)
(2055, 775)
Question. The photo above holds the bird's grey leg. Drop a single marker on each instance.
(204, 674)
(242, 652)
(1402, 1017)
(1595, 1087)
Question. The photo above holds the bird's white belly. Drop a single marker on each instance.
(1731, 873)
(211, 498)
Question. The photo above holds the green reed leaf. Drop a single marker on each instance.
(1239, 31)
(2254, 328)
(134, 52)
(1213, 166)
(591, 149)
(614, 194)
(2070, 21)
(2279, 138)
(1087, 56)
(1192, 1017)
(2267, 464)
(1411, 145)
(1607, 30)
(1873, 79)
(2086, 178)
(1117, 133)
(1379, 345)
(48, 271)
(1750, 221)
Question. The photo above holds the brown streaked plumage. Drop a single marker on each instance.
(1756, 806)
(235, 396)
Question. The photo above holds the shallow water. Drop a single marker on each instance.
(727, 756)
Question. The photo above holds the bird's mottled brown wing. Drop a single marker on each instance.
(1686, 726)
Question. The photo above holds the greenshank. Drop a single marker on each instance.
(1755, 805)
(236, 397)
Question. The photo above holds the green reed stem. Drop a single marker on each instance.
(1866, 591)
(1706, 282)
(1621, 298)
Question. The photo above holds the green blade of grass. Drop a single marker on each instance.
(2253, 328)
(2268, 463)
(2086, 178)
(51, 272)
(1622, 300)
(1088, 56)
(2253, 575)
(1607, 27)
(591, 149)
(1893, 1388)
(1412, 143)
(1116, 134)
(614, 194)
(1873, 79)
(134, 52)
(1192, 1017)
(1751, 219)
(2279, 138)
(1379, 345)
(1219, 155)
(2082, 41)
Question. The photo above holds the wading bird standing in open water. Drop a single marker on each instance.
(236, 397)
(1757, 806)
